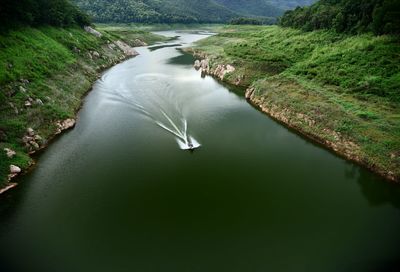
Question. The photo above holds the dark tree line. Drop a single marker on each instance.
(59, 13)
(351, 16)
(252, 21)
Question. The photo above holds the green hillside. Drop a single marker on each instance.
(251, 8)
(341, 90)
(60, 13)
(351, 16)
(183, 11)
(290, 4)
(156, 11)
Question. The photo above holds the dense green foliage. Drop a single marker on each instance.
(290, 4)
(252, 21)
(180, 11)
(155, 11)
(328, 85)
(40, 12)
(353, 16)
(251, 8)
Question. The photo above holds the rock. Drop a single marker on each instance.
(26, 139)
(15, 169)
(39, 102)
(93, 31)
(238, 80)
(34, 144)
(22, 89)
(28, 103)
(205, 65)
(222, 70)
(10, 153)
(64, 125)
(90, 56)
(9, 186)
(230, 69)
(38, 138)
(128, 51)
(95, 54)
(10, 66)
(197, 64)
(69, 123)
(249, 93)
(30, 132)
(138, 42)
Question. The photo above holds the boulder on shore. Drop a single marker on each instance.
(15, 170)
(93, 31)
(64, 125)
(128, 51)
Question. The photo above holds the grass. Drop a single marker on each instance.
(55, 66)
(347, 85)
(130, 33)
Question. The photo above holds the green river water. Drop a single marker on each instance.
(118, 192)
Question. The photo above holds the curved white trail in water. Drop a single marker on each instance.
(163, 107)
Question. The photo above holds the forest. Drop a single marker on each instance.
(60, 13)
(349, 16)
(184, 11)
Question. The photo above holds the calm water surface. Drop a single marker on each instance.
(118, 193)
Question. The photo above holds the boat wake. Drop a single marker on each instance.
(161, 105)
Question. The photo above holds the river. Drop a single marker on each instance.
(120, 193)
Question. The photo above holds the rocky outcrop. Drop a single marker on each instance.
(138, 42)
(220, 71)
(305, 125)
(249, 93)
(128, 51)
(65, 125)
(93, 31)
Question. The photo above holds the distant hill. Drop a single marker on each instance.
(290, 4)
(183, 11)
(156, 11)
(251, 8)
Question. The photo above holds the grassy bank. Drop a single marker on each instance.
(341, 90)
(44, 74)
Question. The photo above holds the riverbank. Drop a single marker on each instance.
(46, 73)
(339, 90)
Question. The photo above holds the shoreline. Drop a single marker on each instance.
(88, 67)
(57, 133)
(342, 147)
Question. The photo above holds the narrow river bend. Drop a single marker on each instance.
(119, 193)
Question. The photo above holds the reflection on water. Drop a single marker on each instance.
(157, 47)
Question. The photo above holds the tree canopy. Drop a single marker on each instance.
(181, 11)
(351, 16)
(38, 12)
